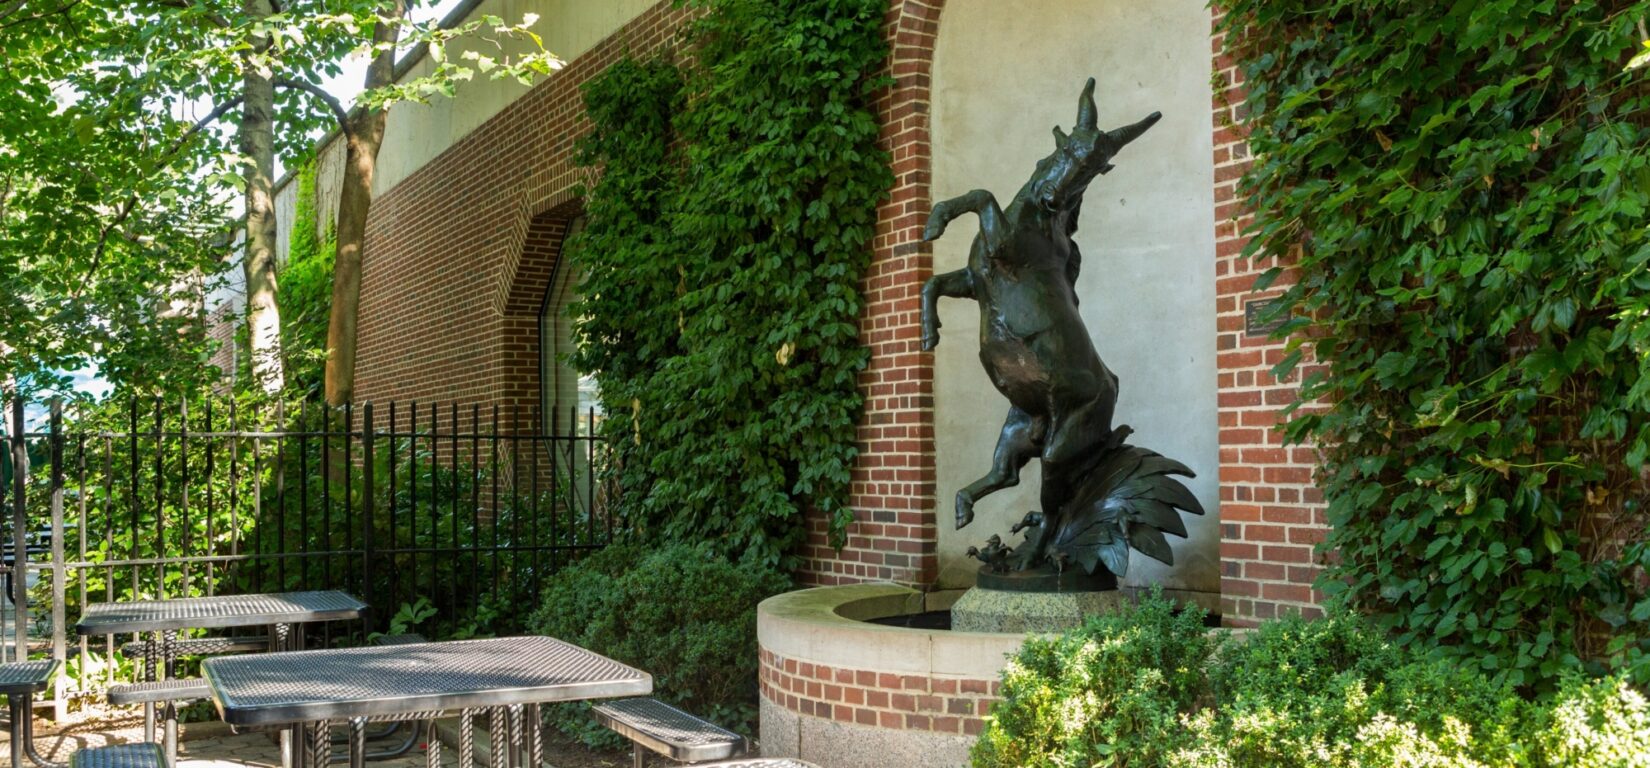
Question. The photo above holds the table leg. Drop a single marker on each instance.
(499, 731)
(151, 656)
(151, 668)
(289, 746)
(320, 745)
(535, 737)
(169, 653)
(432, 745)
(516, 733)
(278, 636)
(358, 742)
(466, 739)
(19, 710)
(169, 727)
(25, 743)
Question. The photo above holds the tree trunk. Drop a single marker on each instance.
(257, 143)
(363, 137)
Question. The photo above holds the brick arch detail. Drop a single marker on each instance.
(445, 244)
(537, 257)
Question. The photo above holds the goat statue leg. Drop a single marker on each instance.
(955, 285)
(1021, 439)
(993, 224)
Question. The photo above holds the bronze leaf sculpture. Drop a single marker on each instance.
(1099, 495)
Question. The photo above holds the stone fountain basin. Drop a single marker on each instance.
(842, 692)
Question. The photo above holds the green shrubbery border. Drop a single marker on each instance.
(1467, 185)
(1149, 686)
(727, 238)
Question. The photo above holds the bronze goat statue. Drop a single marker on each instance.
(1022, 270)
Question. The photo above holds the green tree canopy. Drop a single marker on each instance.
(120, 169)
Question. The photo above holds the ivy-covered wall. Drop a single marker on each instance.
(1462, 191)
(727, 238)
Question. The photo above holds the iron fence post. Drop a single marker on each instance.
(367, 491)
(60, 706)
(19, 531)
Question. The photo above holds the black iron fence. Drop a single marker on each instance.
(445, 519)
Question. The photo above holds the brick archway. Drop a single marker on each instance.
(534, 270)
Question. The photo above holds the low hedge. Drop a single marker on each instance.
(680, 613)
(1150, 687)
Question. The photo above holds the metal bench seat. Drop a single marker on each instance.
(189, 689)
(669, 731)
(204, 646)
(144, 755)
(24, 677)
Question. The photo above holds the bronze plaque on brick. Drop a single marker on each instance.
(1257, 319)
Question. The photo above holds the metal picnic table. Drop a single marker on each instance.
(508, 678)
(163, 618)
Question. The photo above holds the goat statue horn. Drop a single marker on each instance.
(1087, 115)
(1128, 133)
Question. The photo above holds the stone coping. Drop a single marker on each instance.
(828, 625)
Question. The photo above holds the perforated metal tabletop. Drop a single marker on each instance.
(216, 612)
(310, 686)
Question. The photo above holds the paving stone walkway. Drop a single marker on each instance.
(212, 745)
(202, 745)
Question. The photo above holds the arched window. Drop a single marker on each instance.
(569, 399)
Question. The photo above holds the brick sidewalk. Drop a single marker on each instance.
(211, 744)
(201, 745)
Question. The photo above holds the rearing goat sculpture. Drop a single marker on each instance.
(1099, 495)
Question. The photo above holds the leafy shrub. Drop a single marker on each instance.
(1336, 692)
(1594, 725)
(1463, 187)
(1147, 687)
(1108, 693)
(681, 613)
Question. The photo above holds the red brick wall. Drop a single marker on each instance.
(1271, 514)
(883, 699)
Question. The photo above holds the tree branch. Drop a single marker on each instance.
(337, 108)
(43, 14)
(10, 7)
(126, 208)
(208, 119)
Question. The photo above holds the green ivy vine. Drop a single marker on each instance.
(1466, 184)
(726, 240)
(305, 286)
